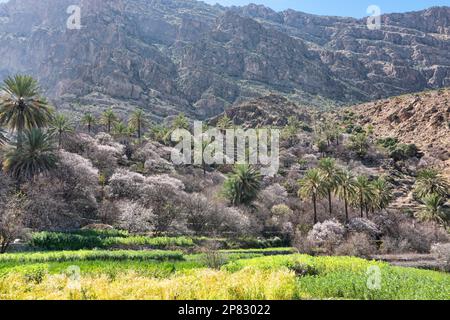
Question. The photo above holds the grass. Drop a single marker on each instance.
(116, 239)
(198, 285)
(246, 274)
(347, 278)
(88, 239)
(86, 255)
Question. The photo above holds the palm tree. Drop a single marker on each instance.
(363, 193)
(312, 186)
(36, 156)
(108, 118)
(62, 127)
(346, 189)
(433, 210)
(243, 185)
(22, 107)
(138, 121)
(225, 123)
(89, 120)
(429, 181)
(180, 122)
(382, 194)
(360, 144)
(329, 173)
(121, 131)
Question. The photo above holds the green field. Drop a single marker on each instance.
(227, 274)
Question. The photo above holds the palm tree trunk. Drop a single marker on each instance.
(315, 208)
(329, 203)
(346, 205)
(361, 204)
(139, 131)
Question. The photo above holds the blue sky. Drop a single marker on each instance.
(351, 8)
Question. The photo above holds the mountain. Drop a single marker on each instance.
(422, 119)
(171, 56)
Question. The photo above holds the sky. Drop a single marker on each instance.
(347, 8)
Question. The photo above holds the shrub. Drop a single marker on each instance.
(134, 217)
(125, 184)
(11, 221)
(361, 225)
(357, 245)
(302, 269)
(327, 235)
(441, 252)
(388, 143)
(404, 152)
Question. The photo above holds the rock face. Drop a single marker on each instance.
(422, 119)
(170, 55)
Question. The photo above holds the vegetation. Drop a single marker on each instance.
(89, 255)
(35, 156)
(312, 186)
(243, 185)
(225, 231)
(108, 119)
(61, 127)
(89, 121)
(22, 107)
(273, 277)
(100, 240)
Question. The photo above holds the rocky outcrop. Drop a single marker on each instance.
(169, 56)
(272, 110)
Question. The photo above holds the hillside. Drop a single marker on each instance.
(171, 56)
(422, 119)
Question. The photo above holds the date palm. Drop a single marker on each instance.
(363, 194)
(138, 122)
(225, 123)
(22, 107)
(89, 121)
(382, 194)
(432, 210)
(329, 173)
(346, 189)
(37, 156)
(121, 131)
(108, 118)
(62, 127)
(180, 122)
(243, 185)
(312, 186)
(429, 181)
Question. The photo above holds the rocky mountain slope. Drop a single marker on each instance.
(171, 55)
(422, 119)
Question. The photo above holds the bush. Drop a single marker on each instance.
(357, 245)
(441, 252)
(327, 235)
(404, 152)
(11, 221)
(361, 225)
